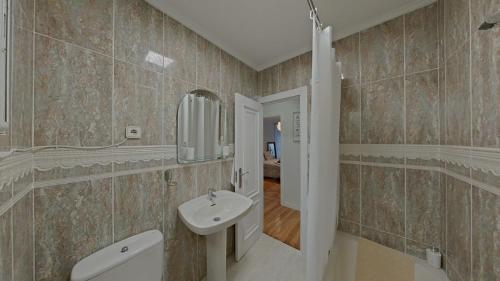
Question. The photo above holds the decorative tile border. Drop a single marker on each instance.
(477, 158)
(15, 167)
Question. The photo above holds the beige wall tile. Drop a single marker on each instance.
(383, 201)
(347, 50)
(382, 112)
(180, 48)
(459, 226)
(382, 51)
(73, 90)
(138, 34)
(137, 102)
(422, 108)
(72, 221)
(6, 246)
(485, 235)
(421, 39)
(389, 240)
(289, 74)
(269, 81)
(22, 224)
(85, 23)
(350, 115)
(456, 22)
(425, 208)
(207, 65)
(137, 204)
(458, 123)
(21, 88)
(350, 189)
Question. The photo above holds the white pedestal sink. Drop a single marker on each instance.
(205, 218)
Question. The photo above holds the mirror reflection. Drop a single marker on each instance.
(201, 127)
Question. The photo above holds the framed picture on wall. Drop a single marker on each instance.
(271, 147)
(296, 127)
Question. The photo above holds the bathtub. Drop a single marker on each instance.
(342, 263)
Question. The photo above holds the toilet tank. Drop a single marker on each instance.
(139, 257)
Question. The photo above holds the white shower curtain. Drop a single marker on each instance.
(324, 155)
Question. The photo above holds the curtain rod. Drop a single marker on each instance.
(313, 14)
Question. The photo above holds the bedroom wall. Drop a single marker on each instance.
(290, 153)
(270, 134)
(82, 71)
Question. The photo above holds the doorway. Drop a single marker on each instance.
(285, 166)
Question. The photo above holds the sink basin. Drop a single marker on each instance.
(204, 219)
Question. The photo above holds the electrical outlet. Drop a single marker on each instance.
(133, 132)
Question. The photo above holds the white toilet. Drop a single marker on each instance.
(139, 257)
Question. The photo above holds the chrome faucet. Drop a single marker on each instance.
(212, 195)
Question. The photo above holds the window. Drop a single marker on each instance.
(4, 97)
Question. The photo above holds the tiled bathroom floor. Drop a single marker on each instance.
(268, 260)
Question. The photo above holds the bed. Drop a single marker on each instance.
(272, 167)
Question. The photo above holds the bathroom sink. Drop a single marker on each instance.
(203, 217)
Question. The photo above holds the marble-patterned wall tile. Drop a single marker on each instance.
(230, 248)
(207, 64)
(137, 102)
(459, 226)
(389, 240)
(350, 191)
(425, 208)
(305, 69)
(138, 205)
(248, 80)
(422, 108)
(349, 227)
(22, 225)
(230, 103)
(175, 90)
(421, 39)
(382, 199)
(71, 222)
(202, 257)
(382, 112)
(456, 22)
(442, 106)
(22, 13)
(21, 87)
(6, 246)
(289, 74)
(73, 92)
(227, 170)
(350, 115)
(180, 50)
(347, 51)
(485, 78)
(458, 123)
(180, 242)
(485, 235)
(441, 34)
(208, 175)
(269, 81)
(230, 74)
(85, 23)
(382, 52)
(138, 34)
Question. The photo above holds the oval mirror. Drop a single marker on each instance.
(201, 127)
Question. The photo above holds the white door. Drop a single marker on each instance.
(248, 159)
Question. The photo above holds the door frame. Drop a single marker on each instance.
(304, 152)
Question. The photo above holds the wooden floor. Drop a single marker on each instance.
(280, 222)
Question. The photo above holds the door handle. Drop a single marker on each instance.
(240, 177)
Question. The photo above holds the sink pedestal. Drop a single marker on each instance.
(216, 256)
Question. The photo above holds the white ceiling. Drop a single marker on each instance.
(262, 33)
